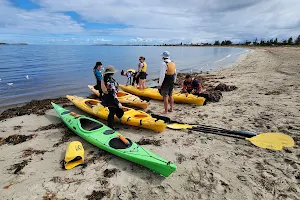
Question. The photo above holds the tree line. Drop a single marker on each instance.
(271, 42)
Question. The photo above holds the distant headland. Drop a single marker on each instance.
(3, 43)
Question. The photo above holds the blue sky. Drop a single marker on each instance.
(146, 22)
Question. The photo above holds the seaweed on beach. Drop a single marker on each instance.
(67, 134)
(100, 155)
(96, 195)
(224, 87)
(17, 139)
(108, 173)
(211, 96)
(51, 126)
(38, 107)
(146, 141)
(18, 166)
(30, 151)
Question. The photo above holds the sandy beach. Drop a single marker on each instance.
(267, 99)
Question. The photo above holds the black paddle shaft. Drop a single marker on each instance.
(207, 128)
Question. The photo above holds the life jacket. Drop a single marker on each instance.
(171, 68)
(144, 67)
(111, 85)
(170, 73)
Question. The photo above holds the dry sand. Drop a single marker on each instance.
(208, 166)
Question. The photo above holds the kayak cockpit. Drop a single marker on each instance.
(89, 125)
(116, 143)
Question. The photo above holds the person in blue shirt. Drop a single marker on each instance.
(98, 77)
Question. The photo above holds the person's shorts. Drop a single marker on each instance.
(142, 75)
(166, 90)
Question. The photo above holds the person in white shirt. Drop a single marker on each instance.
(166, 81)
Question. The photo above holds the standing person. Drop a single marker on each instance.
(142, 68)
(110, 88)
(166, 81)
(98, 76)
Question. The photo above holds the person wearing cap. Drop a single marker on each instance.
(142, 68)
(191, 85)
(166, 81)
(109, 87)
(98, 76)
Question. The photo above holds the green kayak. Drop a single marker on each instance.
(109, 140)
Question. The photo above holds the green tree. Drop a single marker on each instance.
(217, 42)
(255, 41)
(223, 43)
(228, 42)
(297, 40)
(262, 43)
(276, 41)
(272, 41)
(290, 41)
(284, 42)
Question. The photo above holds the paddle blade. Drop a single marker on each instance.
(266, 142)
(179, 126)
(286, 140)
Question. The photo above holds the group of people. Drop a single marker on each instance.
(108, 86)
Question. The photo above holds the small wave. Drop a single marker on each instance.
(223, 58)
(246, 51)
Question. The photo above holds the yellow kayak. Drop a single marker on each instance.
(154, 94)
(131, 117)
(125, 98)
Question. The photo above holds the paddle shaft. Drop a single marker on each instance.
(206, 127)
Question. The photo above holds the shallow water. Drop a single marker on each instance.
(47, 71)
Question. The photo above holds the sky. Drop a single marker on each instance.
(146, 22)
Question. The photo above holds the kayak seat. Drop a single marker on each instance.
(89, 125)
(116, 143)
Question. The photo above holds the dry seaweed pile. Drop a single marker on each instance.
(96, 195)
(146, 141)
(108, 173)
(17, 139)
(30, 151)
(18, 166)
(38, 107)
(51, 126)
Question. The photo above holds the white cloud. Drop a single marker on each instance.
(161, 20)
(15, 20)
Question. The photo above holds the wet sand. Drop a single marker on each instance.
(267, 99)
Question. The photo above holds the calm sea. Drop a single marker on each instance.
(47, 71)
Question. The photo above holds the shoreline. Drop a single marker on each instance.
(208, 166)
(151, 83)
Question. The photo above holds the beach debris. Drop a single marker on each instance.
(50, 196)
(18, 166)
(97, 195)
(10, 84)
(30, 151)
(224, 87)
(51, 126)
(99, 155)
(274, 92)
(17, 127)
(67, 134)
(211, 96)
(103, 182)
(6, 187)
(38, 107)
(146, 141)
(57, 179)
(17, 139)
(108, 173)
(180, 158)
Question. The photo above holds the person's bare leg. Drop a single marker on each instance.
(140, 84)
(165, 105)
(171, 100)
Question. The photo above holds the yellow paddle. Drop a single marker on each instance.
(273, 141)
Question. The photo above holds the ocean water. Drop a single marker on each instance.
(48, 71)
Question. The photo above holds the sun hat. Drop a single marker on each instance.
(165, 54)
(110, 70)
